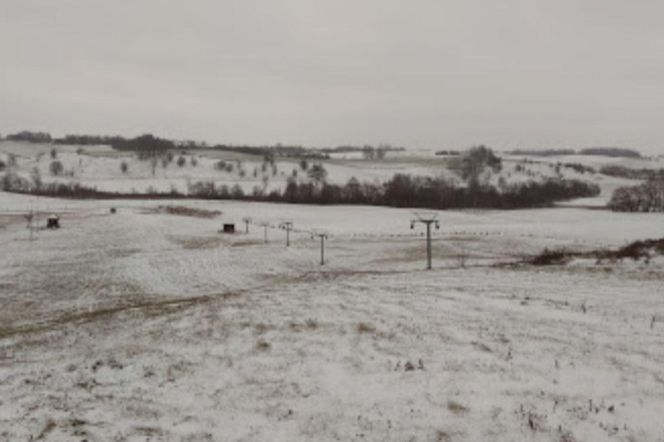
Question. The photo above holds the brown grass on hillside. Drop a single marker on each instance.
(196, 242)
(185, 211)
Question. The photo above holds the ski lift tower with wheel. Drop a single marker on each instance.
(427, 219)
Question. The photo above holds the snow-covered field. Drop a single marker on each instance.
(101, 167)
(148, 325)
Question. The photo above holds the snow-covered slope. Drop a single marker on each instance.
(145, 324)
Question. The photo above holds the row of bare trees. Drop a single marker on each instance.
(436, 193)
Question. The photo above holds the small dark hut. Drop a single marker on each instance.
(53, 222)
(229, 228)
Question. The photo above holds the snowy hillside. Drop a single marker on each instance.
(155, 325)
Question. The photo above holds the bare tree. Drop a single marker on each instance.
(317, 173)
(56, 168)
(476, 161)
(153, 164)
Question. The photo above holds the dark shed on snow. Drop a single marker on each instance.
(53, 222)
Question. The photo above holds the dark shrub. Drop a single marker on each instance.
(551, 257)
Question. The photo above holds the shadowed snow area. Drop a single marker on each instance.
(149, 324)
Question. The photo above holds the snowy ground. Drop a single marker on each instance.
(144, 325)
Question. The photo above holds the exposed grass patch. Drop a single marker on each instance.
(197, 242)
(261, 328)
(146, 308)
(245, 243)
(50, 426)
(456, 407)
(309, 324)
(364, 327)
(443, 436)
(262, 345)
(189, 211)
(482, 346)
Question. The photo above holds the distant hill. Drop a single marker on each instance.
(599, 151)
(611, 152)
(543, 152)
(152, 144)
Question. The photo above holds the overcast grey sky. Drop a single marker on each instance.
(421, 73)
